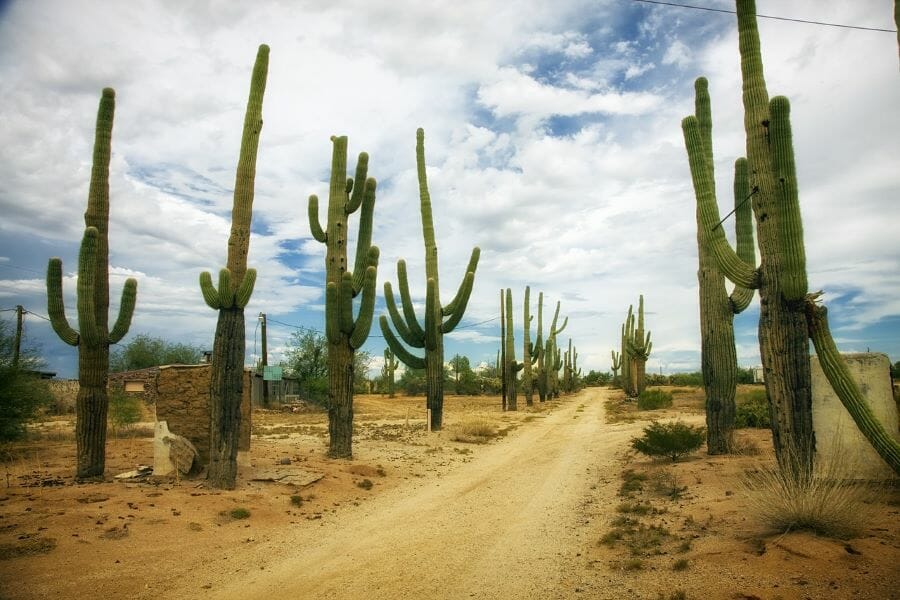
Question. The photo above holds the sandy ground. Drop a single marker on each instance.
(418, 515)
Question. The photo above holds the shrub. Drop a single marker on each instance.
(673, 440)
(239, 513)
(752, 410)
(22, 395)
(654, 399)
(124, 411)
(474, 431)
(826, 501)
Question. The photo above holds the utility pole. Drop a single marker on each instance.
(265, 360)
(18, 343)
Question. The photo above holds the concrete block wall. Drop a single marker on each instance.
(836, 432)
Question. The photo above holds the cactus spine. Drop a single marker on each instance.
(232, 295)
(512, 367)
(93, 336)
(387, 371)
(439, 319)
(530, 351)
(788, 316)
(717, 309)
(345, 334)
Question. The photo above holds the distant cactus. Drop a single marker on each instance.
(236, 283)
(345, 334)
(439, 319)
(638, 346)
(512, 367)
(616, 363)
(552, 357)
(530, 351)
(93, 336)
(387, 371)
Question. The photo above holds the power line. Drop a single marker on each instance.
(732, 12)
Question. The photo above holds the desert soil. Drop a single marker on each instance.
(540, 511)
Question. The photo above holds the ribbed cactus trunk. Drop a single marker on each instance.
(503, 367)
(344, 333)
(236, 281)
(530, 352)
(94, 337)
(512, 367)
(541, 375)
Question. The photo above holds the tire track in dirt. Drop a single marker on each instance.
(509, 524)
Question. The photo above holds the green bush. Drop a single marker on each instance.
(654, 399)
(22, 396)
(752, 410)
(124, 411)
(673, 440)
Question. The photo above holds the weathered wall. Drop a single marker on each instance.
(836, 432)
(145, 377)
(183, 402)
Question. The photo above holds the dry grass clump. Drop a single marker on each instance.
(826, 501)
(474, 431)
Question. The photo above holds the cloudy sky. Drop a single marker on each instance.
(553, 142)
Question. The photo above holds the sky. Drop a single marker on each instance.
(552, 139)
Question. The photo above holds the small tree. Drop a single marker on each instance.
(307, 359)
(145, 351)
(22, 392)
(673, 440)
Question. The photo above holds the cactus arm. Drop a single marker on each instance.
(87, 313)
(457, 315)
(410, 360)
(245, 290)
(226, 295)
(792, 252)
(55, 306)
(432, 316)
(406, 300)
(424, 196)
(364, 239)
(846, 388)
(743, 225)
(366, 309)
(472, 266)
(397, 319)
(562, 327)
(357, 187)
(727, 259)
(126, 311)
(313, 212)
(332, 317)
(345, 303)
(210, 293)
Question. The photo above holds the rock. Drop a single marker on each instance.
(172, 452)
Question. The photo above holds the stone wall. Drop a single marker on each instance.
(183, 402)
(837, 436)
(141, 383)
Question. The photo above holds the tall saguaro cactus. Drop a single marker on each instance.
(552, 359)
(512, 367)
(345, 334)
(638, 347)
(235, 287)
(387, 371)
(530, 351)
(788, 315)
(93, 336)
(717, 309)
(616, 363)
(440, 319)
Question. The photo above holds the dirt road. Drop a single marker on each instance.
(509, 524)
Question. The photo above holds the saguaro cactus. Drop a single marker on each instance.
(616, 363)
(638, 347)
(717, 309)
(93, 336)
(530, 351)
(345, 334)
(552, 357)
(439, 319)
(788, 315)
(387, 371)
(541, 374)
(512, 367)
(235, 287)
(627, 362)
